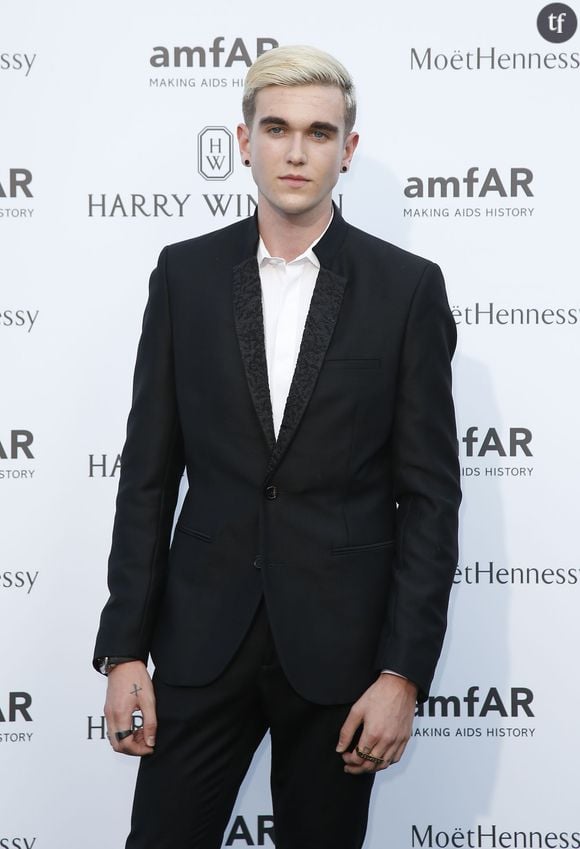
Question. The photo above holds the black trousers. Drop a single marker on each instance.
(206, 738)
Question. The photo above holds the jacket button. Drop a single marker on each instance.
(271, 492)
(258, 561)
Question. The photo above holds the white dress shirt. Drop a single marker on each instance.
(287, 289)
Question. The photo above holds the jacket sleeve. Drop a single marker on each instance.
(427, 491)
(152, 463)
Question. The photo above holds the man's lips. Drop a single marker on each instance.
(295, 179)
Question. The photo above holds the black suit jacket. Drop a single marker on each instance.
(347, 523)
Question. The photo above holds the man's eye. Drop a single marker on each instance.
(275, 131)
(318, 134)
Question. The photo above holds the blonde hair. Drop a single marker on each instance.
(295, 66)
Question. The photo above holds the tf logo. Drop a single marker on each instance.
(557, 23)
(215, 153)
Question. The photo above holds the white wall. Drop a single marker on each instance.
(85, 120)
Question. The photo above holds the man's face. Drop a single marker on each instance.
(297, 147)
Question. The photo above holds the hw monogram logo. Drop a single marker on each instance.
(215, 153)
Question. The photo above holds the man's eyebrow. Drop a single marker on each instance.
(272, 119)
(324, 125)
(282, 122)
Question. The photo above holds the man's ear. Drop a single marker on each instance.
(243, 134)
(350, 145)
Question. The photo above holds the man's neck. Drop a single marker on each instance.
(288, 236)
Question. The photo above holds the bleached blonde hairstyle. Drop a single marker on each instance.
(295, 66)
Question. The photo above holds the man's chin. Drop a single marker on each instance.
(298, 206)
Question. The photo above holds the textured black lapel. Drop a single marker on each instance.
(320, 323)
(247, 302)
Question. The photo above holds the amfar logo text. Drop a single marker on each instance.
(240, 833)
(516, 182)
(480, 443)
(17, 708)
(17, 181)
(18, 442)
(517, 701)
(188, 57)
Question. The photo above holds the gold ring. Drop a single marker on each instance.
(366, 757)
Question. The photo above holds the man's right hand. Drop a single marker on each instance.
(129, 689)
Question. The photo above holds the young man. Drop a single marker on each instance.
(300, 370)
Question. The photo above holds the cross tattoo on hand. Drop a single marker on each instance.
(135, 690)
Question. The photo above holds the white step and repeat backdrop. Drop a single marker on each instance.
(116, 138)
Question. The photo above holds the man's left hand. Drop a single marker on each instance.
(385, 712)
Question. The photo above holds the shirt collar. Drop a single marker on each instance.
(263, 256)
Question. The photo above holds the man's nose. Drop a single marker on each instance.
(296, 153)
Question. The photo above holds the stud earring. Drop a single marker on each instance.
(344, 169)
(247, 163)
